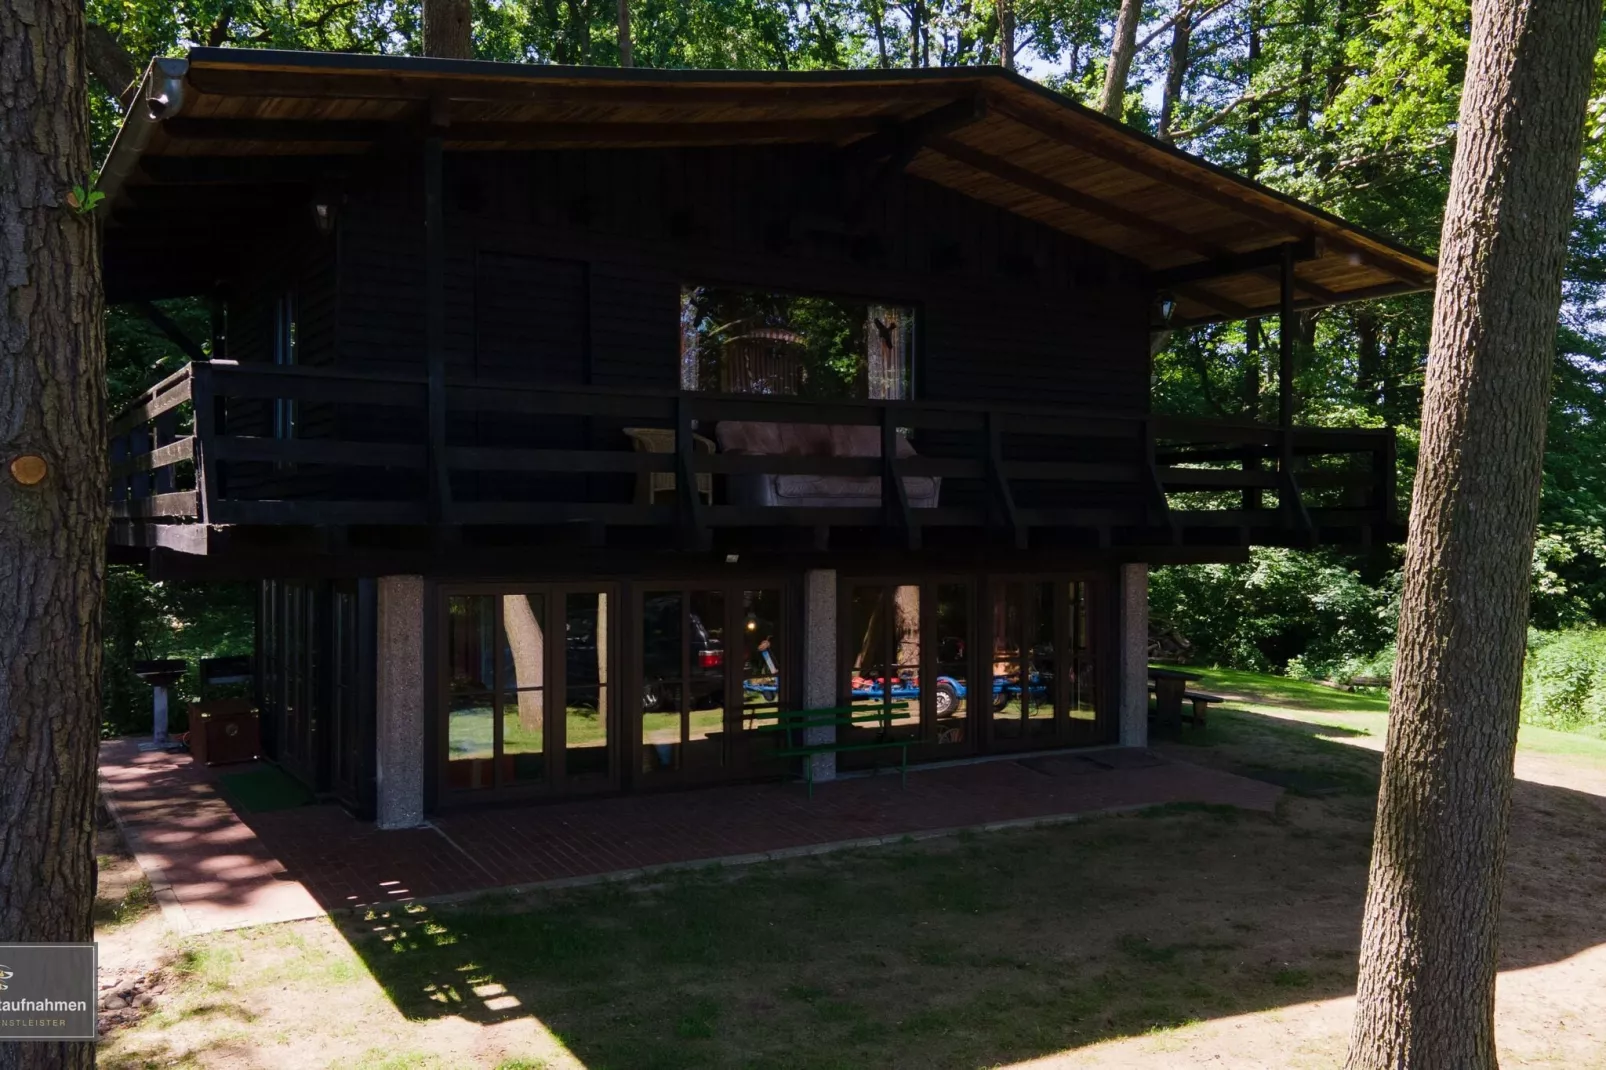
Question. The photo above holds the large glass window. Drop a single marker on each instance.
(762, 660)
(739, 341)
(683, 679)
(587, 687)
(884, 674)
(951, 693)
(471, 688)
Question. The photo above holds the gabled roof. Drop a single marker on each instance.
(1209, 237)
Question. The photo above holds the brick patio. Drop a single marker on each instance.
(222, 870)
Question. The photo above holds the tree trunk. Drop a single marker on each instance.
(110, 63)
(52, 530)
(1425, 998)
(527, 645)
(1176, 70)
(1006, 34)
(625, 59)
(1122, 48)
(449, 29)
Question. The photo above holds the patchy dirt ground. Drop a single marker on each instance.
(1177, 938)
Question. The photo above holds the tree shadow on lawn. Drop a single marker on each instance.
(978, 949)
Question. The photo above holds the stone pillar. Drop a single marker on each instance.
(399, 702)
(1133, 654)
(819, 660)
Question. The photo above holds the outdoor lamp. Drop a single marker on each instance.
(1167, 305)
(323, 214)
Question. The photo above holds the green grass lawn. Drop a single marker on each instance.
(1319, 704)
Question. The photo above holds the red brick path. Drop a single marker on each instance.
(343, 862)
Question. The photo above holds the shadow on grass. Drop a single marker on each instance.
(974, 950)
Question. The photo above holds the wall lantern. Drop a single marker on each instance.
(323, 214)
(1166, 305)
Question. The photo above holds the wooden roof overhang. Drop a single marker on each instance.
(227, 139)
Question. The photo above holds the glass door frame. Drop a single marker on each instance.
(1101, 635)
(927, 748)
(555, 781)
(739, 758)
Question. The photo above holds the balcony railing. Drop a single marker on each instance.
(199, 448)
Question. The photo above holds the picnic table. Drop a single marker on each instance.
(1169, 687)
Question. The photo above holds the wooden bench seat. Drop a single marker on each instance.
(1201, 705)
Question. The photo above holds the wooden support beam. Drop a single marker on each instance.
(553, 134)
(1082, 202)
(439, 476)
(159, 319)
(894, 495)
(1001, 497)
(1269, 258)
(236, 170)
(694, 529)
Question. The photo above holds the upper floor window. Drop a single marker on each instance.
(766, 342)
(285, 355)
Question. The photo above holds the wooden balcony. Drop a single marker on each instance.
(375, 454)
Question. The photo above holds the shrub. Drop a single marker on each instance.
(1564, 678)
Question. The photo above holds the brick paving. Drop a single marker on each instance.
(338, 861)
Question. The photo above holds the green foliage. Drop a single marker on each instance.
(1564, 679)
(1315, 611)
(144, 620)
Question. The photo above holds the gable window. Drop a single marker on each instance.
(284, 355)
(736, 341)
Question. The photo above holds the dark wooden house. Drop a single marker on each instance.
(468, 411)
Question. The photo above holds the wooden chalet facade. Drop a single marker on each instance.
(761, 390)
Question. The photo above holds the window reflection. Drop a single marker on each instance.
(586, 686)
(951, 693)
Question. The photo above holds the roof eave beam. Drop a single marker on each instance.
(1258, 260)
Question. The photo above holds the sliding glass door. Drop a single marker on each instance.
(1044, 643)
(710, 663)
(526, 690)
(906, 648)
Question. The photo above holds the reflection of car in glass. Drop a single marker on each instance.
(660, 658)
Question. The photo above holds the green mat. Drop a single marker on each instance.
(262, 790)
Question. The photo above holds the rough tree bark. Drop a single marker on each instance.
(1122, 49)
(1006, 34)
(1428, 946)
(625, 57)
(1176, 72)
(52, 529)
(110, 63)
(449, 29)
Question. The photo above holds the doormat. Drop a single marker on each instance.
(1061, 766)
(1125, 758)
(263, 790)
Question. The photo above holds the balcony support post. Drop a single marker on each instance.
(820, 680)
(399, 703)
(1133, 654)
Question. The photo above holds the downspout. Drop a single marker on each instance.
(160, 96)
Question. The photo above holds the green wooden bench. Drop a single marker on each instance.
(837, 717)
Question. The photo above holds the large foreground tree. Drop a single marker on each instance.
(52, 491)
(1428, 949)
